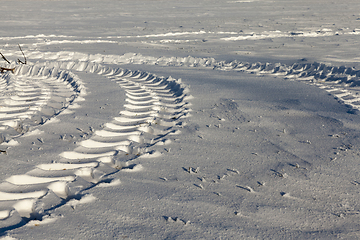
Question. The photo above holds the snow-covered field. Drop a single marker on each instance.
(151, 119)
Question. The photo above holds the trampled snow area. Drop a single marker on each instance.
(151, 119)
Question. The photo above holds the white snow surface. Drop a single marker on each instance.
(164, 119)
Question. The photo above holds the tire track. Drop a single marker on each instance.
(330, 78)
(155, 109)
(32, 96)
(341, 82)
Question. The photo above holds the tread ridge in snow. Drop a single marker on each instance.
(138, 130)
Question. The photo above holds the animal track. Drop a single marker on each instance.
(176, 220)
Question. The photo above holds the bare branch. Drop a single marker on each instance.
(3, 57)
(2, 69)
(23, 55)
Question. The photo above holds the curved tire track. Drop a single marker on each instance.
(340, 81)
(34, 95)
(155, 109)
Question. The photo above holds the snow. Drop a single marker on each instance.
(180, 120)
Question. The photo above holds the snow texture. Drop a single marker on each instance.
(179, 119)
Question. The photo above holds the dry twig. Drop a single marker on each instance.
(3, 57)
(19, 61)
(2, 70)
